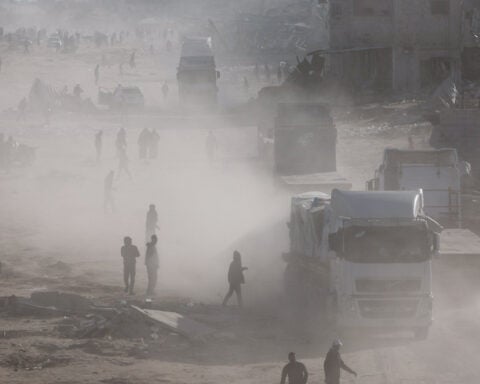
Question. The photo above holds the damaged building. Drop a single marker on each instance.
(396, 45)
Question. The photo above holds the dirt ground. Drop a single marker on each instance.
(54, 235)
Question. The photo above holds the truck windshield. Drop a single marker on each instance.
(403, 244)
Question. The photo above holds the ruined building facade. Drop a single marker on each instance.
(401, 45)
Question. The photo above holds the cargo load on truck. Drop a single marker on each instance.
(439, 173)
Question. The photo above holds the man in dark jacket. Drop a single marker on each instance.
(235, 279)
(295, 371)
(129, 254)
(332, 364)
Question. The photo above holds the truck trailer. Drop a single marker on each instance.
(363, 259)
(196, 73)
(438, 172)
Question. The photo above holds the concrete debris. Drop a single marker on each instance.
(177, 323)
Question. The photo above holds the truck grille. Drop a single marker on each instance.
(388, 309)
(388, 286)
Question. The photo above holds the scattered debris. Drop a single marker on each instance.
(24, 360)
(177, 323)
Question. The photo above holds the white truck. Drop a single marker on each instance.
(363, 259)
(438, 172)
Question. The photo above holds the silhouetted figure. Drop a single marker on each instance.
(97, 73)
(108, 202)
(165, 90)
(267, 72)
(151, 222)
(333, 363)
(77, 91)
(246, 85)
(211, 146)
(2, 151)
(411, 144)
(235, 279)
(153, 145)
(143, 143)
(295, 371)
(22, 108)
(98, 145)
(121, 141)
(132, 62)
(129, 253)
(151, 262)
(123, 164)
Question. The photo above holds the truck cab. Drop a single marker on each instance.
(369, 255)
(439, 173)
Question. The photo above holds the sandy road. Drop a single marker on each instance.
(53, 212)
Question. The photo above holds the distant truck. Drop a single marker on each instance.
(129, 97)
(302, 147)
(363, 259)
(196, 73)
(439, 173)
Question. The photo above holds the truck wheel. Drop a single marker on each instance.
(421, 333)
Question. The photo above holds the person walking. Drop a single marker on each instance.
(333, 363)
(151, 262)
(97, 73)
(129, 253)
(235, 279)
(165, 90)
(295, 371)
(108, 202)
(98, 145)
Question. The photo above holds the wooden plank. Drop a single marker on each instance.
(177, 323)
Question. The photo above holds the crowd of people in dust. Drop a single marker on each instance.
(148, 149)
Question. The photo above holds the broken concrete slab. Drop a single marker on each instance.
(177, 323)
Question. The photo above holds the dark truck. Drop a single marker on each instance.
(196, 73)
(304, 148)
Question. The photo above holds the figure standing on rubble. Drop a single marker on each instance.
(333, 363)
(295, 371)
(108, 202)
(151, 262)
(211, 146)
(97, 73)
(129, 253)
(98, 145)
(151, 222)
(235, 279)
(143, 143)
